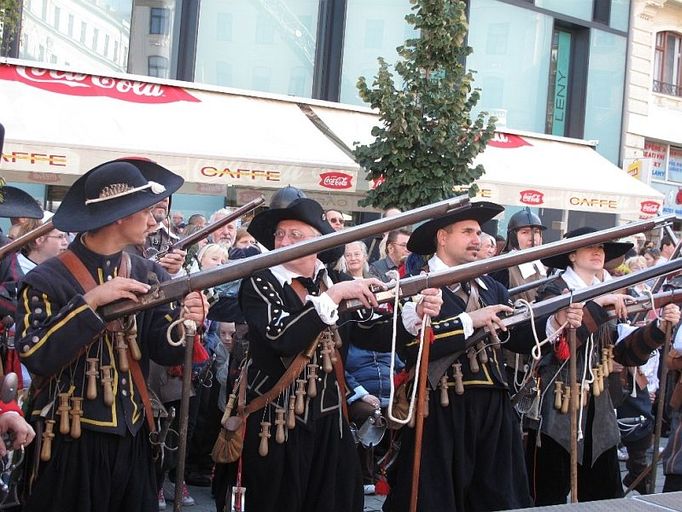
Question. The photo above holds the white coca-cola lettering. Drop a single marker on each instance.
(649, 207)
(337, 181)
(80, 80)
(532, 197)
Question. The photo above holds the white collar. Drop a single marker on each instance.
(25, 264)
(436, 265)
(575, 282)
(284, 275)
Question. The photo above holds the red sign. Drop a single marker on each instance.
(532, 197)
(507, 141)
(649, 207)
(376, 182)
(336, 180)
(80, 84)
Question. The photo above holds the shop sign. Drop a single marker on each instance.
(675, 164)
(657, 153)
(336, 180)
(532, 197)
(594, 202)
(507, 141)
(80, 84)
(649, 207)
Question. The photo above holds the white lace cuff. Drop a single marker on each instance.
(326, 308)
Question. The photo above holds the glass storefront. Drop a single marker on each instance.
(373, 29)
(581, 9)
(604, 98)
(511, 59)
(262, 46)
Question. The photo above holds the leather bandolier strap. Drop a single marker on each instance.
(87, 282)
(292, 372)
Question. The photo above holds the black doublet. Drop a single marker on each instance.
(316, 469)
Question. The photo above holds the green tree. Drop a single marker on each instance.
(10, 17)
(428, 141)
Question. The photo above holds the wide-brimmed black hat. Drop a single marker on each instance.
(263, 225)
(15, 202)
(423, 239)
(112, 191)
(612, 250)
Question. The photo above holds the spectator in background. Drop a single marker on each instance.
(177, 223)
(396, 253)
(226, 234)
(651, 255)
(244, 240)
(335, 219)
(500, 242)
(374, 244)
(667, 249)
(197, 220)
(488, 247)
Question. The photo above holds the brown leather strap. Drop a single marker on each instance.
(74, 265)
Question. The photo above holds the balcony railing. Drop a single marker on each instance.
(664, 88)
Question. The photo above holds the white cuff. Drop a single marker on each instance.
(326, 308)
(411, 320)
(551, 327)
(358, 393)
(467, 324)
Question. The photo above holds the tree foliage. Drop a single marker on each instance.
(428, 140)
(10, 17)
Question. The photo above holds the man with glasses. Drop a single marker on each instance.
(396, 254)
(292, 311)
(335, 219)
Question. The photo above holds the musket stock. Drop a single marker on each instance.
(175, 289)
(190, 240)
(18, 243)
(413, 285)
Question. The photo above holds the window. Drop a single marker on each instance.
(224, 27)
(159, 21)
(57, 16)
(157, 66)
(667, 72)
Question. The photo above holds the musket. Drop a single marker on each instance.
(18, 243)
(175, 289)
(552, 305)
(190, 240)
(413, 285)
(533, 284)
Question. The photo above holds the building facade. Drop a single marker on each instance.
(547, 66)
(653, 141)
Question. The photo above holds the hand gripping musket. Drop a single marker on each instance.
(17, 244)
(190, 240)
(175, 289)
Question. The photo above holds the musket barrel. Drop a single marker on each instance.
(184, 243)
(18, 243)
(529, 286)
(176, 288)
(413, 285)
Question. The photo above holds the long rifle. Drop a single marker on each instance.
(529, 286)
(413, 285)
(177, 288)
(190, 240)
(18, 243)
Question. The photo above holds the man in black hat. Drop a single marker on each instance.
(290, 309)
(600, 342)
(472, 445)
(89, 397)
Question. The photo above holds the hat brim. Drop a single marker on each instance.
(423, 239)
(75, 216)
(612, 250)
(263, 225)
(15, 202)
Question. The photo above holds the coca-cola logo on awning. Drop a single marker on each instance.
(508, 141)
(336, 180)
(80, 84)
(649, 207)
(532, 197)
